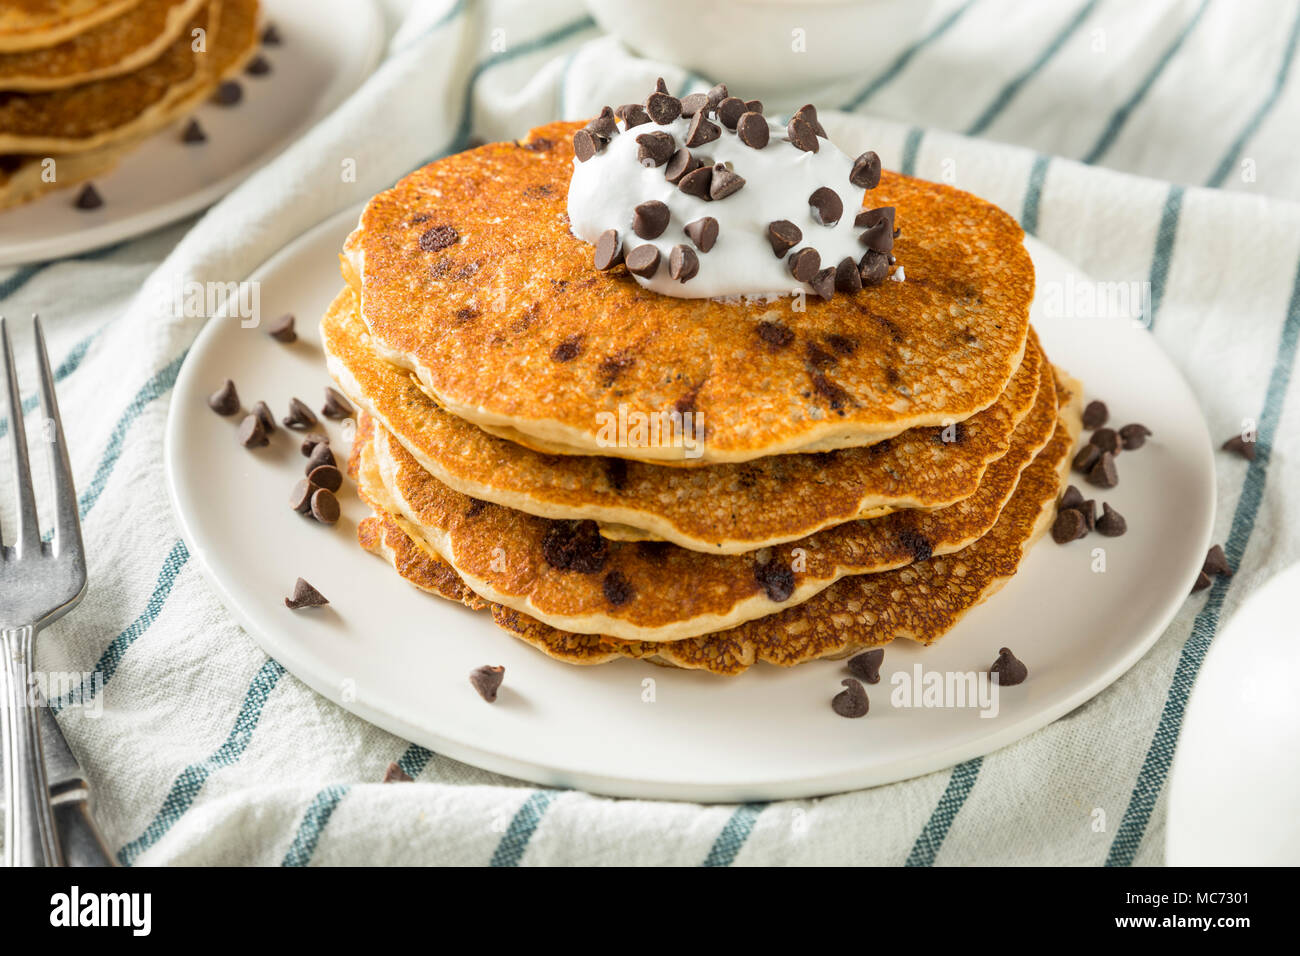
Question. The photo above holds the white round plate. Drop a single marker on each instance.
(330, 47)
(1236, 774)
(630, 728)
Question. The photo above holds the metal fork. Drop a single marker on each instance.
(39, 583)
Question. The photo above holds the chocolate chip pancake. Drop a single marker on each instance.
(724, 509)
(32, 24)
(469, 276)
(920, 602)
(566, 575)
(125, 43)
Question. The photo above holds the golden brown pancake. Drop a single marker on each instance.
(32, 24)
(920, 602)
(120, 45)
(725, 509)
(511, 328)
(565, 574)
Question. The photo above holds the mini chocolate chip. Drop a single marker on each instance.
(878, 231)
(271, 36)
(1072, 498)
(661, 86)
(730, 110)
(586, 145)
(775, 334)
(310, 442)
(263, 413)
(1008, 669)
(320, 457)
(693, 103)
(683, 263)
(1068, 526)
(808, 113)
(300, 417)
(873, 267)
(866, 171)
(724, 182)
(866, 665)
(847, 277)
(300, 496)
(1239, 445)
(225, 400)
(282, 329)
(609, 251)
(1089, 511)
(823, 284)
(663, 108)
(697, 182)
(1103, 473)
(703, 232)
(643, 261)
(327, 477)
(776, 579)
(251, 433)
(1202, 582)
(1095, 415)
(852, 701)
(1134, 436)
(1216, 562)
(324, 506)
(618, 589)
(1111, 523)
(650, 219)
(801, 135)
(438, 238)
(701, 131)
(258, 66)
(654, 149)
(681, 163)
(304, 595)
(1088, 456)
(575, 546)
(336, 407)
(193, 133)
(783, 236)
(633, 115)
(395, 774)
(753, 130)
(716, 95)
(1106, 439)
(567, 350)
(486, 680)
(604, 126)
(804, 264)
(826, 206)
(89, 198)
(228, 93)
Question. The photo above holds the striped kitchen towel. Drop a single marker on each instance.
(1148, 143)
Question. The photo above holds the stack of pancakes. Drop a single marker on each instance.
(871, 467)
(84, 81)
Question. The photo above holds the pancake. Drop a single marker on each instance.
(565, 575)
(920, 602)
(120, 45)
(511, 328)
(128, 107)
(32, 24)
(725, 509)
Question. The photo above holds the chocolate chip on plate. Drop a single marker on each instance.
(730, 110)
(225, 400)
(753, 130)
(282, 329)
(683, 263)
(304, 595)
(632, 115)
(867, 665)
(663, 108)
(336, 407)
(1239, 446)
(847, 277)
(258, 66)
(228, 93)
(826, 206)
(783, 235)
(701, 131)
(586, 145)
(1086, 457)
(1216, 562)
(271, 35)
(324, 506)
(609, 251)
(1095, 415)
(801, 134)
(300, 495)
(89, 198)
(866, 171)
(300, 417)
(395, 774)
(309, 443)
(1111, 523)
(1107, 439)
(852, 701)
(724, 182)
(487, 681)
(703, 232)
(805, 264)
(650, 219)
(643, 261)
(823, 284)
(251, 433)
(1089, 511)
(1072, 498)
(679, 164)
(1008, 669)
(655, 148)
(320, 456)
(1103, 473)
(697, 182)
(693, 103)
(1068, 526)
(327, 477)
(1202, 582)
(193, 133)
(263, 413)
(1134, 436)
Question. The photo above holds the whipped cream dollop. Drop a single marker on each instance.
(793, 198)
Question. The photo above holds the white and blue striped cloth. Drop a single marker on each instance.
(1149, 142)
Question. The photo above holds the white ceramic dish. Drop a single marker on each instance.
(403, 656)
(330, 47)
(1234, 791)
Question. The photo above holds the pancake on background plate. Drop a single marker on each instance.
(32, 24)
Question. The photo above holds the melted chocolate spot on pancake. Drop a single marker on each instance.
(841, 344)
(567, 350)
(575, 546)
(611, 365)
(776, 579)
(655, 552)
(539, 145)
(465, 271)
(776, 335)
(833, 393)
(476, 507)
(467, 312)
(616, 473)
(439, 237)
(819, 357)
(618, 589)
(918, 544)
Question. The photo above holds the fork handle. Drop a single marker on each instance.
(30, 837)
